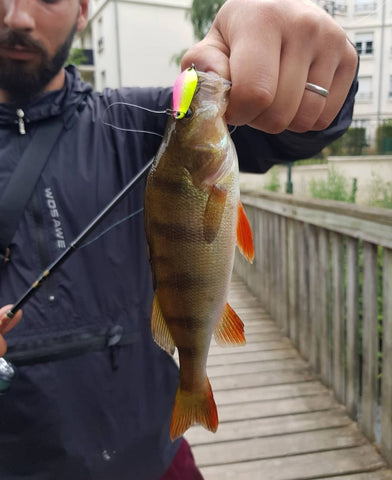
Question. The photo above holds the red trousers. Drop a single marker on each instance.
(183, 466)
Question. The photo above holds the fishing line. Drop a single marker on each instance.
(132, 130)
(111, 227)
(167, 111)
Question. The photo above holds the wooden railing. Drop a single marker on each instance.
(323, 270)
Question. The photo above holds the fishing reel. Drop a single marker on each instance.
(7, 372)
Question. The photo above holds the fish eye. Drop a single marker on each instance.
(189, 113)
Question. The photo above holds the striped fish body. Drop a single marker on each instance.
(191, 217)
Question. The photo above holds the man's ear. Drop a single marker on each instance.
(83, 14)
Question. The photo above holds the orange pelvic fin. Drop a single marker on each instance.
(193, 408)
(159, 329)
(230, 329)
(214, 212)
(244, 235)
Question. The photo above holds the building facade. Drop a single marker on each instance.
(133, 42)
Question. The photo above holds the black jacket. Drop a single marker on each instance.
(93, 394)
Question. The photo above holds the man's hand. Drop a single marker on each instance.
(269, 49)
(7, 324)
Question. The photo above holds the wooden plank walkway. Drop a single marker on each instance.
(277, 421)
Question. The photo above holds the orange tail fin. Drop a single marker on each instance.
(244, 235)
(193, 408)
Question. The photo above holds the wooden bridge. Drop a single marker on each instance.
(310, 395)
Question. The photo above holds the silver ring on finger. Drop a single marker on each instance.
(312, 87)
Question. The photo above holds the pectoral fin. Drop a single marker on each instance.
(244, 235)
(159, 329)
(214, 212)
(230, 329)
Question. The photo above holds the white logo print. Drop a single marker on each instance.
(54, 213)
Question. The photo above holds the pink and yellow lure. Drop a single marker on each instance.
(183, 91)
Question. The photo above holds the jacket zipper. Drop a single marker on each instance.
(21, 122)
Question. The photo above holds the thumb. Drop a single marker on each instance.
(209, 55)
(7, 323)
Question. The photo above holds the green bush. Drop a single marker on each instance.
(380, 192)
(273, 184)
(336, 187)
(384, 138)
(351, 143)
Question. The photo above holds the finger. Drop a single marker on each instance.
(254, 83)
(316, 112)
(295, 61)
(209, 55)
(3, 346)
(6, 323)
(339, 88)
(313, 104)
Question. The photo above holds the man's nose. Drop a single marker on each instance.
(19, 15)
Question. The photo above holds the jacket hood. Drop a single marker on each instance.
(49, 104)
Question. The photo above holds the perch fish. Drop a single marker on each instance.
(193, 221)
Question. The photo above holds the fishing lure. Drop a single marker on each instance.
(183, 91)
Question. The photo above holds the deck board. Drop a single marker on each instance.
(277, 421)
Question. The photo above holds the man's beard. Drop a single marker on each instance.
(21, 81)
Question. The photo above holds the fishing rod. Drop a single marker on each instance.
(7, 371)
(75, 244)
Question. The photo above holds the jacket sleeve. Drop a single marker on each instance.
(258, 151)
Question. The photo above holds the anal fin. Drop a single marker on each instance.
(230, 328)
(159, 329)
(244, 235)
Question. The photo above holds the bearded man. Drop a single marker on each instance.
(93, 395)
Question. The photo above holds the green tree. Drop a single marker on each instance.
(201, 14)
(76, 56)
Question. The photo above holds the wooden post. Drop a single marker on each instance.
(352, 384)
(386, 379)
(314, 294)
(369, 340)
(338, 316)
(323, 311)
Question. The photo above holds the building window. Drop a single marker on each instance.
(364, 43)
(365, 89)
(365, 6)
(390, 87)
(360, 123)
(334, 7)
